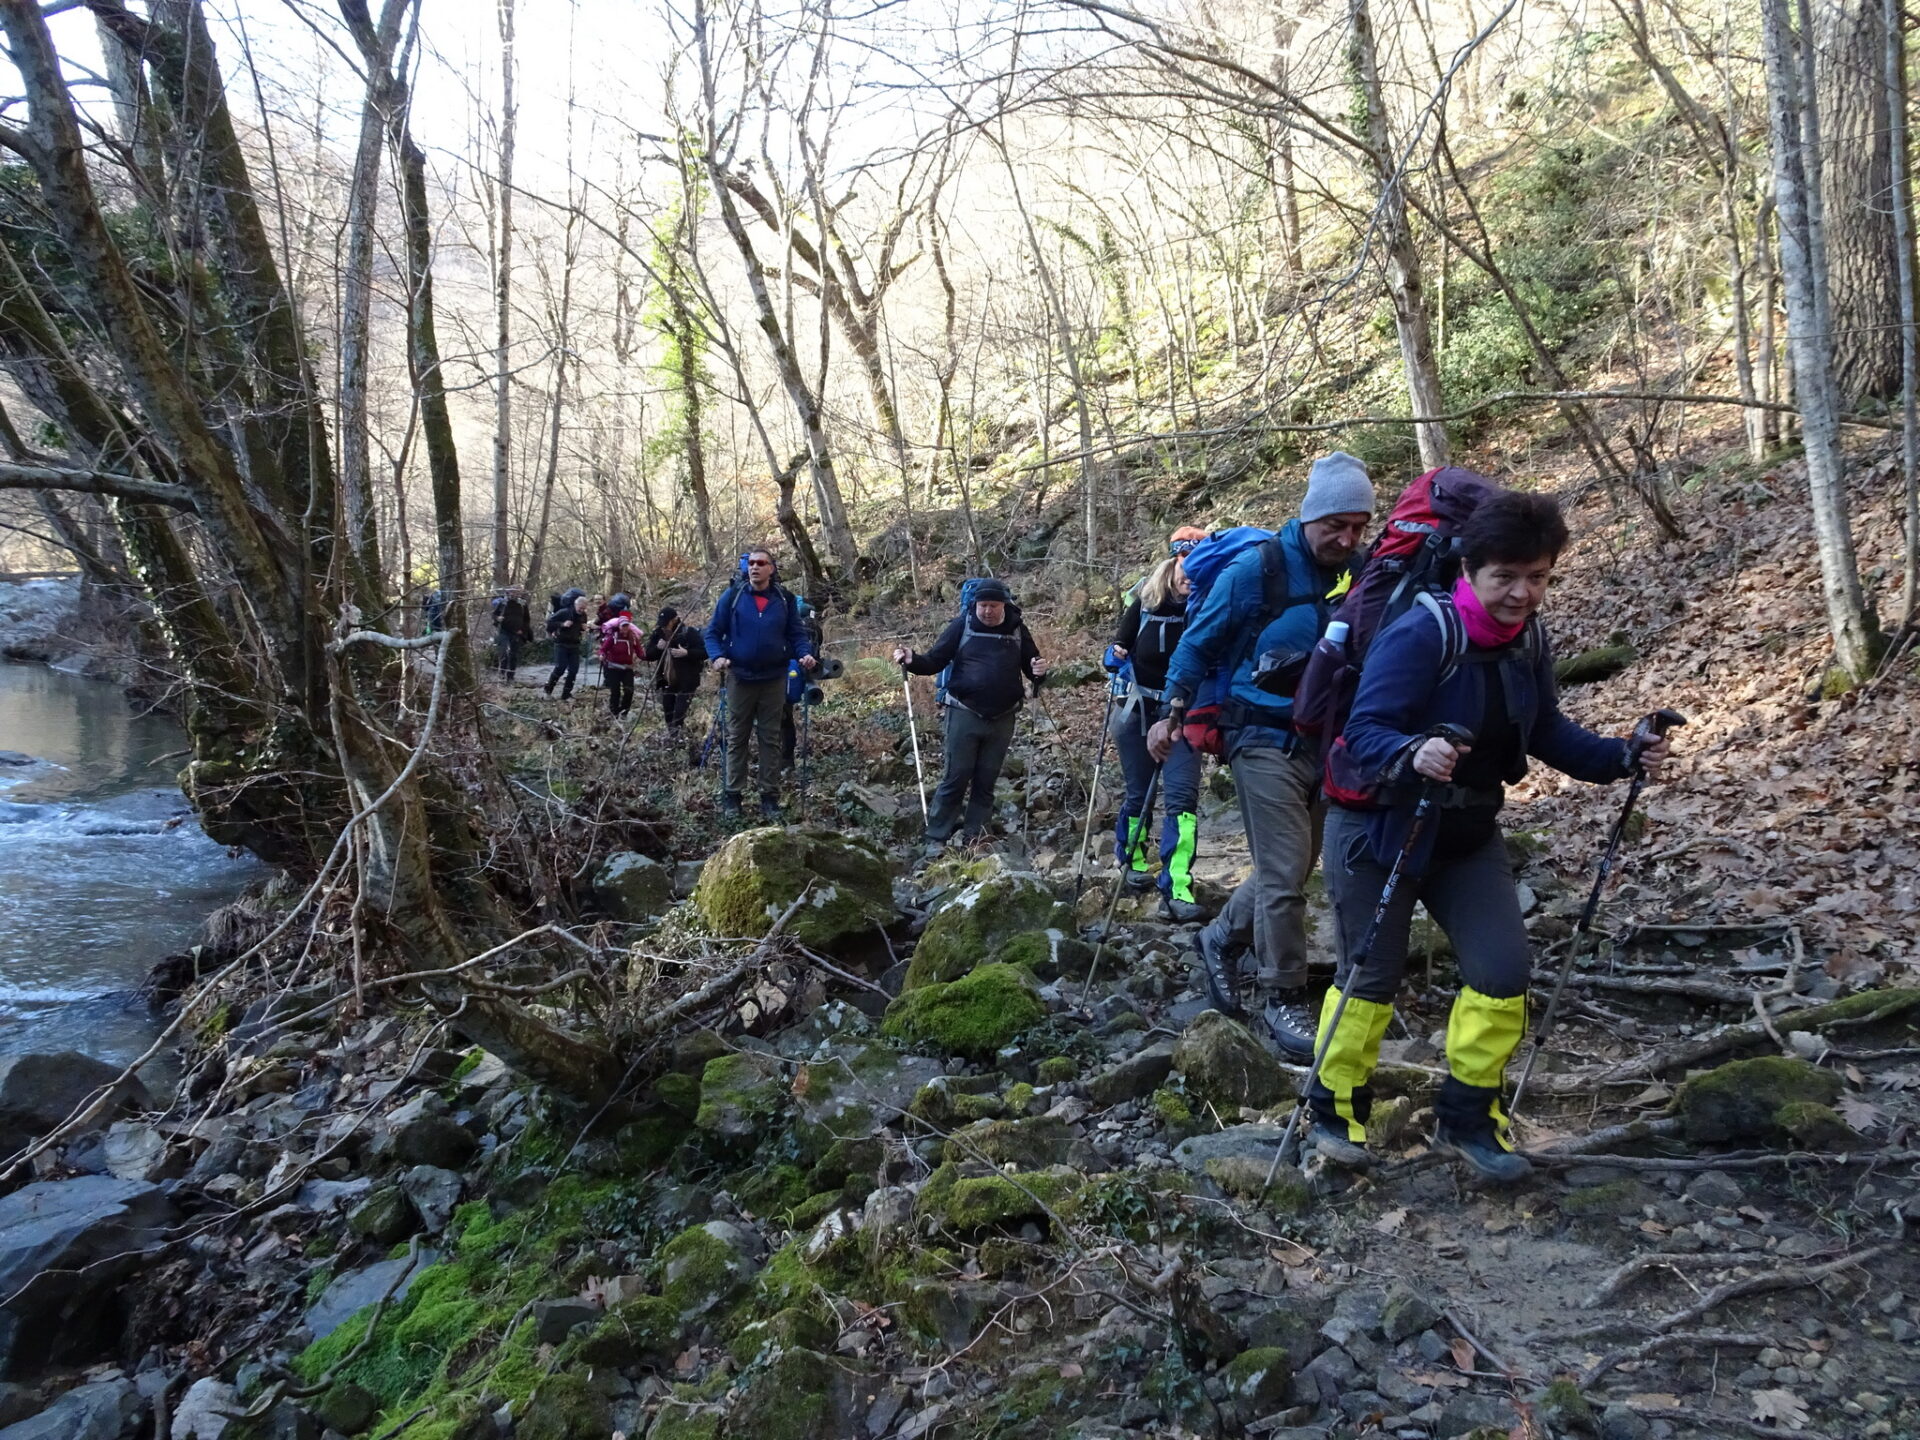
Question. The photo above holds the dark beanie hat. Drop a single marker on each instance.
(991, 589)
(667, 614)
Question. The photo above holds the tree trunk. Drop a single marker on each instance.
(1895, 75)
(503, 306)
(1794, 123)
(1404, 284)
(1856, 181)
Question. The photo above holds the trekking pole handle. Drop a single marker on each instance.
(1651, 728)
(1452, 734)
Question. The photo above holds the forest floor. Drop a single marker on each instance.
(826, 1215)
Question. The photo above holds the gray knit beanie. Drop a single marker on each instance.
(1337, 484)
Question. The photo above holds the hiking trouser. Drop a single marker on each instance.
(754, 709)
(673, 707)
(1280, 806)
(1180, 830)
(619, 680)
(976, 749)
(1131, 721)
(566, 665)
(507, 647)
(1471, 896)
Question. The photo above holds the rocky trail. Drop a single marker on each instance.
(884, 1162)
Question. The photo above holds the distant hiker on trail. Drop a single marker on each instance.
(993, 659)
(1143, 644)
(1270, 597)
(513, 627)
(1499, 685)
(677, 653)
(620, 644)
(433, 611)
(755, 633)
(568, 626)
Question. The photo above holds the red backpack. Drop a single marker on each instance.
(1414, 562)
(619, 643)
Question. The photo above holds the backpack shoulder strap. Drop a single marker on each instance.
(1453, 630)
(1274, 598)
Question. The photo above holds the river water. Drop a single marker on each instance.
(103, 869)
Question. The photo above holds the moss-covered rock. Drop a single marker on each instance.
(1610, 1201)
(851, 1095)
(1024, 1144)
(347, 1407)
(632, 887)
(797, 1395)
(973, 1016)
(1817, 1127)
(385, 1217)
(565, 1407)
(708, 1267)
(1258, 1379)
(1225, 1066)
(677, 1421)
(950, 1101)
(1744, 1099)
(1049, 954)
(740, 1096)
(1057, 1070)
(977, 921)
(964, 1203)
(753, 877)
(800, 1327)
(643, 1331)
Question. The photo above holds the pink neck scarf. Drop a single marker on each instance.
(1482, 629)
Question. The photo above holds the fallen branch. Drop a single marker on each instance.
(1709, 1420)
(1604, 1140)
(1733, 1290)
(696, 999)
(1643, 1264)
(1668, 1342)
(1764, 1161)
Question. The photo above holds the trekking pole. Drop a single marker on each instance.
(806, 752)
(1650, 729)
(1456, 735)
(1120, 879)
(913, 730)
(1093, 799)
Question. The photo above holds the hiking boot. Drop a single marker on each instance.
(1182, 912)
(730, 804)
(1482, 1154)
(769, 807)
(1222, 972)
(1137, 882)
(1291, 1022)
(1336, 1149)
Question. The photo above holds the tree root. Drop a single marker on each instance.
(1667, 1342)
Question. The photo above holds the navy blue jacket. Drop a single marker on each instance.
(760, 644)
(1402, 698)
(1217, 635)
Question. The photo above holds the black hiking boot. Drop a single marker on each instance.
(1137, 882)
(730, 804)
(769, 807)
(1336, 1149)
(1222, 971)
(1482, 1154)
(1182, 912)
(1290, 1020)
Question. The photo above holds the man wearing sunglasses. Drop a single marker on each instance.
(756, 632)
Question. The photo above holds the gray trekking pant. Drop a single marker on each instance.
(1470, 896)
(1282, 809)
(754, 708)
(975, 752)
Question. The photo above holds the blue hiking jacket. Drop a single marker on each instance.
(1217, 635)
(759, 643)
(1402, 697)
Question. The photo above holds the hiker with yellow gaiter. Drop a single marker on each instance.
(1473, 655)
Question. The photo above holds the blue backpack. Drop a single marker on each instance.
(1205, 564)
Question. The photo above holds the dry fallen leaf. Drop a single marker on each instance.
(1861, 1114)
(1436, 1379)
(1462, 1352)
(1781, 1405)
(1071, 1370)
(1390, 1223)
